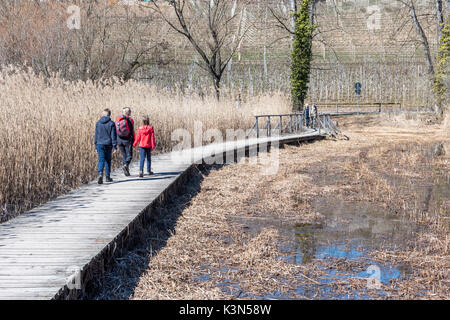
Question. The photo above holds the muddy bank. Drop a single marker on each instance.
(358, 218)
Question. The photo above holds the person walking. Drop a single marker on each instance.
(105, 140)
(146, 139)
(125, 138)
(306, 115)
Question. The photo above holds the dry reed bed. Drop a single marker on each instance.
(396, 166)
(210, 255)
(47, 145)
(206, 246)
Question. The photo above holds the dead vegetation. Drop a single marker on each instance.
(226, 239)
(48, 147)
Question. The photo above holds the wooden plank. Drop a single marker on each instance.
(69, 229)
(29, 293)
(67, 226)
(28, 271)
(47, 261)
(45, 283)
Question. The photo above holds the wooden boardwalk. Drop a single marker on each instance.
(85, 228)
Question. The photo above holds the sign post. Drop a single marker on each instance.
(358, 87)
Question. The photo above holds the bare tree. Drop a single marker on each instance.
(212, 28)
(113, 40)
(412, 8)
(286, 20)
(439, 15)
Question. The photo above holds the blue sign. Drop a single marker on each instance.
(358, 86)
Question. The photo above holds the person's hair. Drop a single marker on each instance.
(126, 111)
(145, 121)
(107, 112)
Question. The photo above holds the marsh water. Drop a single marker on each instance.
(341, 244)
(349, 232)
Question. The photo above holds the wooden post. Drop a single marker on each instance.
(257, 127)
(268, 127)
(357, 101)
(290, 123)
(281, 125)
(319, 123)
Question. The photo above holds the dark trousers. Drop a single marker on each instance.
(143, 154)
(104, 159)
(126, 149)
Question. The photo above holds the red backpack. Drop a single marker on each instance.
(123, 128)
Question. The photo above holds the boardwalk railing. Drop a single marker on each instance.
(337, 106)
(281, 124)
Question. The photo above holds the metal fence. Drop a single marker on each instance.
(281, 124)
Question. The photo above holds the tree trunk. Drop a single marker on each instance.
(216, 81)
(439, 19)
(293, 5)
(312, 12)
(423, 38)
(447, 8)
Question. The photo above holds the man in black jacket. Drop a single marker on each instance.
(125, 138)
(105, 141)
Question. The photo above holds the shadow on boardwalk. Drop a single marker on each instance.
(123, 273)
(158, 176)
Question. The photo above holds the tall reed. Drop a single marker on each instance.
(47, 141)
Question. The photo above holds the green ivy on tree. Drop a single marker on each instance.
(301, 55)
(442, 65)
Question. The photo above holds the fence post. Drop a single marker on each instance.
(268, 128)
(319, 123)
(257, 127)
(290, 123)
(281, 125)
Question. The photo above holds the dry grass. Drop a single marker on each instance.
(48, 137)
(223, 238)
(207, 254)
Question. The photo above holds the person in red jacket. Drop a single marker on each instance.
(146, 139)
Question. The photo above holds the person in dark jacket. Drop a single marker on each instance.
(105, 141)
(125, 138)
(306, 115)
